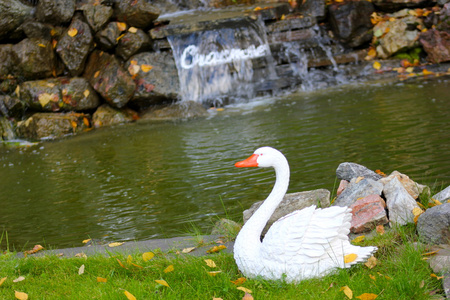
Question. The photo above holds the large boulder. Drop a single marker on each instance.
(367, 213)
(413, 188)
(12, 14)
(106, 115)
(109, 36)
(436, 44)
(74, 46)
(399, 202)
(58, 94)
(55, 11)
(137, 13)
(96, 14)
(433, 225)
(109, 79)
(358, 188)
(133, 42)
(11, 106)
(348, 171)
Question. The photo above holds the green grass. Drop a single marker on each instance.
(401, 273)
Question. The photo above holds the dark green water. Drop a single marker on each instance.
(141, 180)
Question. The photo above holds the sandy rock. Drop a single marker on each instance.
(399, 202)
(413, 188)
(368, 212)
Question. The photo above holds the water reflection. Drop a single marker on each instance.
(142, 180)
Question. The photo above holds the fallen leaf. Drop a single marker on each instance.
(41, 45)
(115, 244)
(132, 29)
(376, 65)
(72, 32)
(129, 295)
(437, 277)
(367, 296)
(373, 277)
(101, 279)
(216, 249)
(210, 263)
(347, 291)
(162, 282)
(81, 270)
(169, 269)
(19, 279)
(44, 98)
(86, 94)
(213, 273)
(372, 52)
(436, 201)
(86, 241)
(239, 281)
(379, 172)
(96, 74)
(138, 266)
(82, 255)
(145, 68)
(147, 256)
(86, 122)
(358, 239)
(133, 69)
(245, 290)
(120, 36)
(121, 264)
(430, 253)
(20, 295)
(422, 284)
(247, 296)
(122, 26)
(188, 250)
(350, 257)
(380, 229)
(409, 69)
(371, 262)
(2, 280)
(359, 177)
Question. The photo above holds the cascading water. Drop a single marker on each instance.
(223, 65)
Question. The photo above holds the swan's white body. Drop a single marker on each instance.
(304, 244)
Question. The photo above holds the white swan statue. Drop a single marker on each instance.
(306, 243)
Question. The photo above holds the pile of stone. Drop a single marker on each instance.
(68, 66)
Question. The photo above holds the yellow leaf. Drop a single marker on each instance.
(81, 270)
(86, 241)
(245, 290)
(169, 269)
(358, 239)
(133, 62)
(129, 259)
(210, 263)
(214, 273)
(367, 296)
(162, 282)
(122, 26)
(20, 295)
(96, 74)
(129, 295)
(188, 250)
(376, 65)
(19, 279)
(44, 98)
(436, 201)
(121, 264)
(359, 177)
(216, 249)
(239, 281)
(72, 32)
(347, 291)
(2, 280)
(101, 279)
(120, 36)
(86, 93)
(132, 29)
(372, 52)
(409, 69)
(115, 244)
(372, 277)
(133, 69)
(147, 256)
(437, 277)
(380, 229)
(138, 266)
(145, 68)
(371, 262)
(247, 297)
(350, 257)
(430, 253)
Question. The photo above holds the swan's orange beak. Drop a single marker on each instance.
(249, 162)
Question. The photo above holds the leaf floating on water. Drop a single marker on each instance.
(2, 280)
(347, 291)
(239, 281)
(210, 263)
(371, 262)
(367, 296)
(169, 269)
(350, 258)
(115, 244)
(245, 290)
(72, 32)
(358, 239)
(147, 256)
(20, 295)
(129, 295)
(101, 279)
(216, 249)
(188, 250)
(81, 270)
(162, 282)
(18, 279)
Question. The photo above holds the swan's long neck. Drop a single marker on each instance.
(254, 226)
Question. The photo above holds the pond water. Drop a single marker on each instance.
(142, 180)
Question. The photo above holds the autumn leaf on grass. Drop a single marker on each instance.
(245, 290)
(20, 295)
(350, 258)
(380, 229)
(214, 273)
(81, 270)
(367, 296)
(115, 244)
(129, 295)
(210, 263)
(239, 281)
(19, 279)
(372, 277)
(358, 239)
(101, 279)
(2, 280)
(169, 268)
(347, 291)
(188, 250)
(437, 277)
(35, 249)
(121, 264)
(162, 282)
(371, 262)
(247, 296)
(216, 249)
(417, 211)
(147, 256)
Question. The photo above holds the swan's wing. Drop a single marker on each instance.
(308, 237)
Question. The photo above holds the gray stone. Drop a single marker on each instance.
(440, 262)
(290, 203)
(106, 115)
(413, 188)
(177, 111)
(399, 202)
(11, 106)
(137, 13)
(108, 38)
(55, 11)
(349, 170)
(132, 43)
(227, 228)
(96, 14)
(12, 14)
(6, 60)
(443, 195)
(433, 225)
(358, 188)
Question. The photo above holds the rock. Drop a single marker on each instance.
(315, 8)
(176, 111)
(436, 44)
(413, 188)
(106, 115)
(396, 35)
(6, 60)
(348, 170)
(290, 203)
(74, 46)
(96, 15)
(109, 79)
(12, 14)
(433, 226)
(133, 42)
(226, 228)
(35, 58)
(440, 262)
(358, 188)
(351, 23)
(54, 11)
(6, 129)
(137, 13)
(394, 5)
(38, 30)
(342, 186)
(399, 202)
(59, 94)
(108, 38)
(11, 106)
(8, 85)
(368, 212)
(156, 78)
(443, 196)
(44, 126)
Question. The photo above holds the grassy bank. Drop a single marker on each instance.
(400, 272)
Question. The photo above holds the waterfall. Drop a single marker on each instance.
(223, 65)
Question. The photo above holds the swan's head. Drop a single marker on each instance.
(263, 157)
